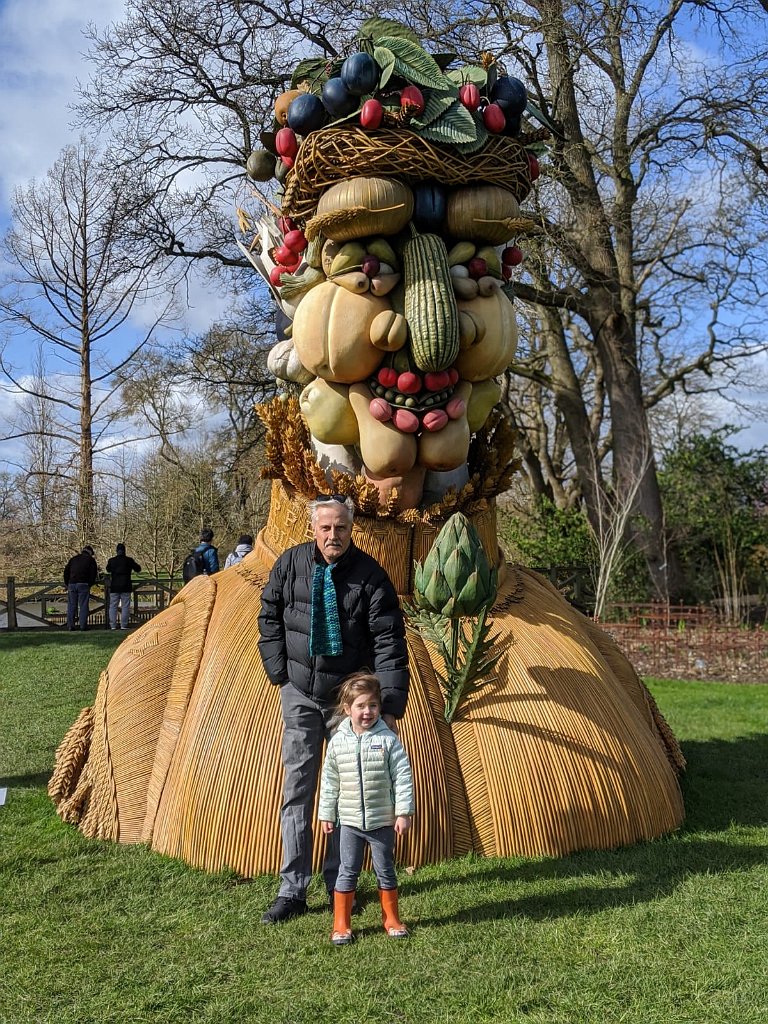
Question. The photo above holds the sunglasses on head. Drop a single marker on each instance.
(341, 498)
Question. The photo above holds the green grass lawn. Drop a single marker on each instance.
(664, 932)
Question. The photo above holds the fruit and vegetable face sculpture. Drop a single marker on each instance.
(392, 252)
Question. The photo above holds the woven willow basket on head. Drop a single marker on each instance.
(326, 157)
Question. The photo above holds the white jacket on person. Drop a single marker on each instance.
(366, 780)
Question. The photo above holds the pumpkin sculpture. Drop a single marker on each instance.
(397, 337)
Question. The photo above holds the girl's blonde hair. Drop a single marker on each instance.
(353, 686)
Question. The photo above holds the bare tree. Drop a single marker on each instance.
(73, 286)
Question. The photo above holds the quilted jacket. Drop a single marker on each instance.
(366, 780)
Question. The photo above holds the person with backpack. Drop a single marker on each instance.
(244, 547)
(120, 567)
(203, 560)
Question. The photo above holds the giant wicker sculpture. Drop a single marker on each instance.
(396, 339)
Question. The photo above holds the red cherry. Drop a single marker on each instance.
(285, 256)
(370, 265)
(406, 421)
(387, 377)
(276, 273)
(295, 240)
(469, 95)
(494, 119)
(288, 161)
(453, 375)
(435, 419)
(512, 256)
(409, 383)
(286, 142)
(506, 272)
(286, 224)
(380, 410)
(436, 381)
(410, 96)
(533, 166)
(477, 268)
(371, 114)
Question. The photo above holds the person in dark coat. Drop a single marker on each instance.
(209, 552)
(120, 567)
(328, 609)
(80, 574)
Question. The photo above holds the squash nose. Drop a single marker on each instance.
(430, 303)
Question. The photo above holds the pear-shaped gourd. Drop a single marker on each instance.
(373, 206)
(495, 346)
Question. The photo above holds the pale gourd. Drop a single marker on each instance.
(494, 348)
(332, 333)
(386, 451)
(485, 394)
(447, 448)
(376, 206)
(480, 213)
(328, 413)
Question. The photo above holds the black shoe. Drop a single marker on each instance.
(283, 909)
(355, 904)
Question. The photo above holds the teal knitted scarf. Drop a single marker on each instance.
(324, 628)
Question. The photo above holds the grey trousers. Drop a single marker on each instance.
(78, 601)
(352, 845)
(305, 728)
(123, 602)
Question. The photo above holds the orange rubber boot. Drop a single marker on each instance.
(342, 918)
(393, 926)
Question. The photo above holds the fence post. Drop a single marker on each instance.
(106, 604)
(11, 603)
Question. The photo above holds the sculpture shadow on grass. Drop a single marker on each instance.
(724, 787)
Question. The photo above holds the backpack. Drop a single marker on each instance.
(194, 565)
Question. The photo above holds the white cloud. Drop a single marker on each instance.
(41, 57)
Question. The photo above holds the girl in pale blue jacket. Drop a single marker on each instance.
(367, 787)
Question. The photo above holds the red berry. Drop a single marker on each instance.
(477, 268)
(409, 383)
(276, 273)
(371, 114)
(410, 96)
(295, 240)
(453, 375)
(469, 95)
(387, 376)
(286, 142)
(288, 161)
(370, 265)
(512, 256)
(506, 272)
(533, 166)
(494, 119)
(286, 224)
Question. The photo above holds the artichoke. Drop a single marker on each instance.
(456, 578)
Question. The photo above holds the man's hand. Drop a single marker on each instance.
(402, 824)
(327, 827)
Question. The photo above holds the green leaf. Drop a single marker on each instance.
(386, 61)
(481, 137)
(456, 125)
(316, 71)
(414, 63)
(470, 73)
(444, 59)
(436, 104)
(541, 117)
(379, 28)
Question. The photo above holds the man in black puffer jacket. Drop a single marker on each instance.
(80, 574)
(328, 610)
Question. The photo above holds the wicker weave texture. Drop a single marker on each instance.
(564, 750)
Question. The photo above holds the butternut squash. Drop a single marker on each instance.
(485, 394)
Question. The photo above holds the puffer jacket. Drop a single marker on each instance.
(366, 780)
(372, 628)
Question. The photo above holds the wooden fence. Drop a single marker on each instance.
(43, 605)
